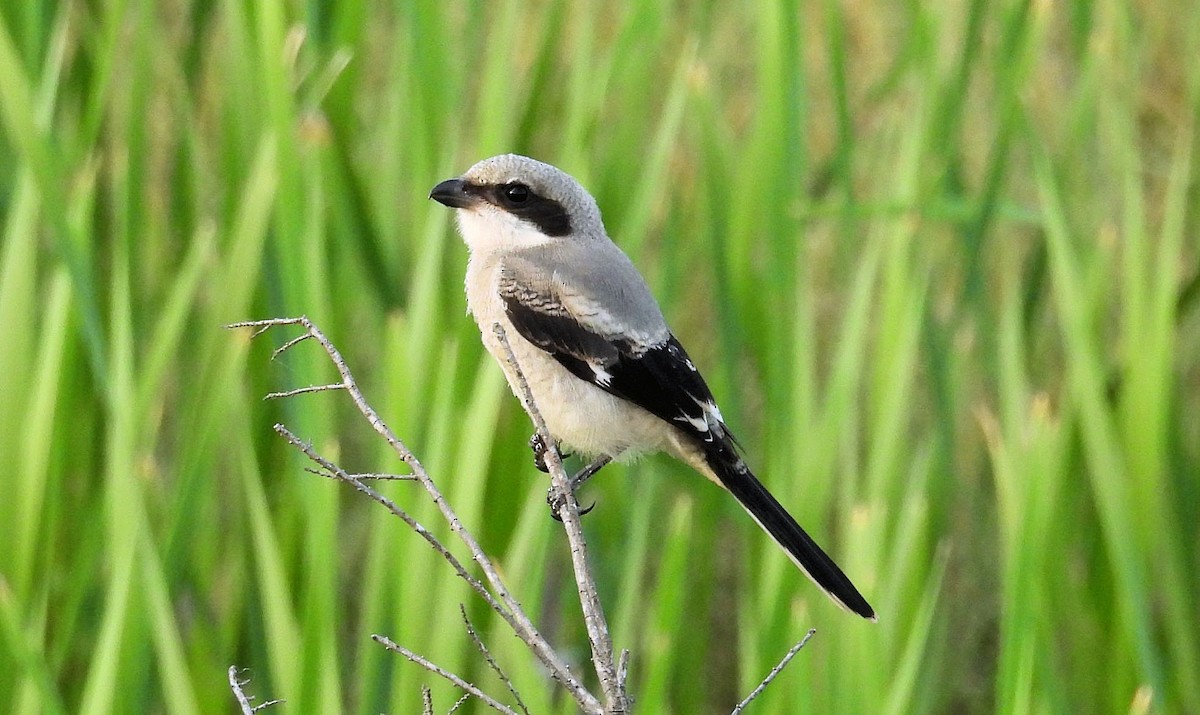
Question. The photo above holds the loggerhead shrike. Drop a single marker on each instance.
(606, 373)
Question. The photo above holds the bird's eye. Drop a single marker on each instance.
(516, 193)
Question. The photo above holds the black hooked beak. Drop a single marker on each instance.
(452, 193)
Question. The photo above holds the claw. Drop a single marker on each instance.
(539, 453)
(555, 501)
(556, 506)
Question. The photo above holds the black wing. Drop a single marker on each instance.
(661, 378)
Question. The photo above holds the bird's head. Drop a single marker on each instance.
(512, 201)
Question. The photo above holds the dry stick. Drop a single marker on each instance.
(623, 669)
(330, 470)
(333, 471)
(593, 612)
(365, 476)
(385, 477)
(787, 657)
(458, 704)
(236, 684)
(487, 656)
(244, 700)
(512, 612)
(438, 670)
(303, 391)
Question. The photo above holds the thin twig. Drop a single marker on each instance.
(593, 611)
(289, 344)
(442, 672)
(385, 477)
(487, 656)
(244, 700)
(331, 469)
(787, 658)
(511, 610)
(364, 476)
(458, 704)
(303, 391)
(623, 670)
(426, 700)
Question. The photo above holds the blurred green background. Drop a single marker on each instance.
(937, 259)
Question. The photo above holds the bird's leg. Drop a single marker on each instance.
(555, 500)
(589, 471)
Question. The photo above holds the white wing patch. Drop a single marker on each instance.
(710, 408)
(709, 421)
(699, 423)
(603, 377)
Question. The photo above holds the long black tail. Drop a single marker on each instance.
(776, 521)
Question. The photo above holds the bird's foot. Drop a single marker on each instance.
(539, 447)
(556, 499)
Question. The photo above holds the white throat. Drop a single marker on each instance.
(485, 229)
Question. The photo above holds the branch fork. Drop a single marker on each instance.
(611, 672)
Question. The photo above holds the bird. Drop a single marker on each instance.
(607, 374)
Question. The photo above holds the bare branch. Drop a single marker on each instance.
(487, 656)
(385, 477)
(236, 684)
(623, 670)
(593, 611)
(787, 658)
(289, 344)
(244, 701)
(329, 469)
(503, 601)
(262, 325)
(442, 672)
(426, 700)
(366, 476)
(458, 704)
(303, 390)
